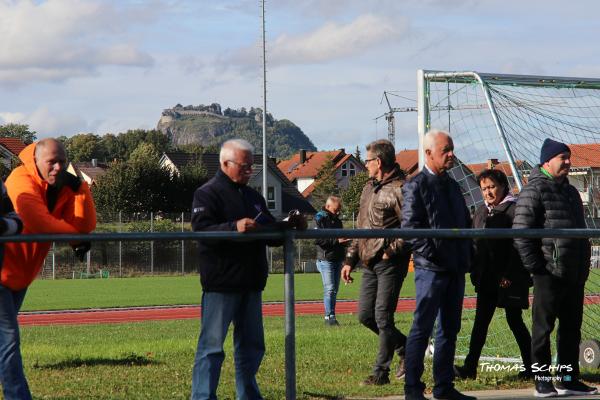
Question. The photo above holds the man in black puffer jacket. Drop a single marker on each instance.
(560, 268)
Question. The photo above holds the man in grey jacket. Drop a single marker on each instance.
(385, 261)
(560, 268)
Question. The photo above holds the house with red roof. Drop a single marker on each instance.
(302, 168)
(585, 175)
(9, 151)
(408, 160)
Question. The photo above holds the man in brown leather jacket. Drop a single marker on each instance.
(384, 261)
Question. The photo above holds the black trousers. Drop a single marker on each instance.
(379, 291)
(556, 298)
(486, 306)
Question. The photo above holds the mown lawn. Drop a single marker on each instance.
(153, 360)
(169, 290)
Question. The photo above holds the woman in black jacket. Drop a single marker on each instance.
(497, 273)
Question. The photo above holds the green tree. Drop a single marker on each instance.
(351, 196)
(19, 131)
(357, 154)
(138, 185)
(84, 147)
(325, 184)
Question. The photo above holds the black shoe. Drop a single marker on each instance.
(464, 372)
(401, 371)
(575, 388)
(331, 321)
(453, 394)
(373, 380)
(415, 396)
(544, 389)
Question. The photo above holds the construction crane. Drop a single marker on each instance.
(389, 116)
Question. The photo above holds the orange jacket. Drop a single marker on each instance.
(74, 212)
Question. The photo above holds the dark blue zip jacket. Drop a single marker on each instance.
(225, 265)
(436, 202)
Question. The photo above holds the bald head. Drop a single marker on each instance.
(50, 159)
(333, 204)
(439, 151)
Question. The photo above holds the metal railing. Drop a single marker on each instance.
(289, 236)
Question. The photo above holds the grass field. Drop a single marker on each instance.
(154, 360)
(169, 290)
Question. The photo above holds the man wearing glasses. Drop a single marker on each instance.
(385, 261)
(233, 273)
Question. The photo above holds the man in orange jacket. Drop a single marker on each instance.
(49, 200)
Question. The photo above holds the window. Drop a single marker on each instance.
(271, 198)
(352, 169)
(345, 169)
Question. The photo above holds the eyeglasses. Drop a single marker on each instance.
(242, 166)
(368, 160)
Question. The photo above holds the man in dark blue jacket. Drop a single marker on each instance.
(330, 255)
(434, 200)
(233, 274)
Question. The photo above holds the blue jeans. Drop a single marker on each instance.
(14, 383)
(439, 295)
(330, 274)
(218, 311)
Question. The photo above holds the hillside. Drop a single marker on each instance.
(209, 126)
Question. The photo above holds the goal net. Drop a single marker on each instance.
(501, 121)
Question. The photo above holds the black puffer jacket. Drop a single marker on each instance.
(495, 259)
(329, 249)
(546, 203)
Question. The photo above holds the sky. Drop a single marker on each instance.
(104, 66)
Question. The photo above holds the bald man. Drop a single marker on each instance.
(49, 200)
(433, 200)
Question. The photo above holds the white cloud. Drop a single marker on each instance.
(59, 39)
(332, 41)
(48, 123)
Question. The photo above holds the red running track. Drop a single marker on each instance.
(104, 316)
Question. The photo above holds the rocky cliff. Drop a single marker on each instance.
(210, 126)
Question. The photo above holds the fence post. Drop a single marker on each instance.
(120, 247)
(89, 262)
(152, 244)
(182, 248)
(290, 317)
(53, 260)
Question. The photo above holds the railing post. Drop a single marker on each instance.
(120, 246)
(151, 244)
(182, 247)
(290, 317)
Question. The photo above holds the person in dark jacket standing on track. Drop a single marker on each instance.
(560, 267)
(385, 261)
(233, 274)
(433, 200)
(497, 274)
(330, 255)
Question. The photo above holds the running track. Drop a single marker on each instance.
(104, 316)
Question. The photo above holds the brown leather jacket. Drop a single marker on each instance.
(380, 208)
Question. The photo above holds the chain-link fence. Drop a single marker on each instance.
(123, 259)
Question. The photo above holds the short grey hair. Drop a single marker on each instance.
(230, 146)
(384, 150)
(431, 136)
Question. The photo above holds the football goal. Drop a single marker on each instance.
(500, 121)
